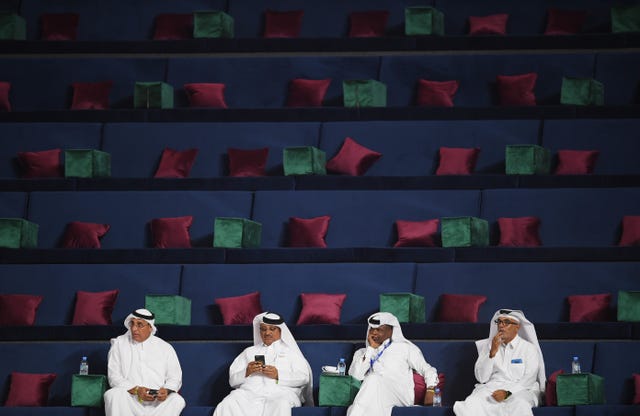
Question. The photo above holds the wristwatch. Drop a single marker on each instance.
(508, 394)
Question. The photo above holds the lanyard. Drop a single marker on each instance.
(377, 357)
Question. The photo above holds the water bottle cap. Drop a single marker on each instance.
(437, 390)
(575, 358)
(341, 359)
(84, 357)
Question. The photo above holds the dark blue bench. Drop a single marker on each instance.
(13, 205)
(616, 362)
(620, 86)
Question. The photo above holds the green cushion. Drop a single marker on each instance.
(169, 309)
(236, 233)
(88, 390)
(625, 18)
(12, 27)
(212, 24)
(407, 307)
(337, 390)
(527, 159)
(86, 163)
(304, 160)
(153, 95)
(464, 232)
(18, 233)
(629, 306)
(423, 21)
(579, 389)
(364, 93)
(581, 91)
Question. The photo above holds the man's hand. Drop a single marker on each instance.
(500, 395)
(495, 344)
(428, 397)
(162, 394)
(253, 367)
(372, 343)
(270, 371)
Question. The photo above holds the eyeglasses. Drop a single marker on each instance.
(504, 322)
(139, 325)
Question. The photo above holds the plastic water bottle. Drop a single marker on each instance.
(437, 398)
(575, 366)
(84, 366)
(342, 367)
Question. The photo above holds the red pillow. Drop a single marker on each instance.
(206, 94)
(321, 308)
(589, 308)
(171, 232)
(636, 397)
(436, 93)
(519, 232)
(173, 26)
(5, 104)
(91, 95)
(417, 233)
(29, 389)
(239, 310)
(308, 232)
(353, 159)
(307, 92)
(283, 24)
(62, 26)
(84, 234)
(459, 308)
(576, 162)
(630, 231)
(19, 309)
(516, 90)
(368, 24)
(420, 387)
(251, 162)
(94, 308)
(457, 161)
(43, 164)
(495, 24)
(176, 163)
(565, 22)
(550, 394)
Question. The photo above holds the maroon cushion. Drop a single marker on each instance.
(248, 162)
(287, 24)
(589, 308)
(519, 232)
(459, 308)
(206, 94)
(19, 309)
(42, 164)
(94, 308)
(29, 389)
(420, 387)
(5, 104)
(239, 310)
(307, 92)
(176, 163)
(565, 22)
(576, 162)
(636, 396)
(352, 159)
(368, 24)
(436, 93)
(517, 90)
(59, 26)
(630, 231)
(457, 161)
(171, 232)
(321, 308)
(550, 394)
(495, 24)
(173, 26)
(308, 232)
(417, 233)
(91, 95)
(84, 234)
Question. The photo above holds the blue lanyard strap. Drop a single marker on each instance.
(377, 357)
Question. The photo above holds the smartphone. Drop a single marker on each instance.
(152, 392)
(260, 359)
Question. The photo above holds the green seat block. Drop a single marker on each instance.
(464, 232)
(422, 20)
(236, 233)
(304, 160)
(407, 307)
(88, 390)
(625, 19)
(12, 27)
(580, 389)
(86, 163)
(18, 233)
(629, 306)
(527, 159)
(364, 93)
(212, 24)
(337, 390)
(153, 95)
(581, 91)
(169, 309)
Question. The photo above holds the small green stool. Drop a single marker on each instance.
(231, 232)
(629, 306)
(527, 159)
(625, 19)
(169, 309)
(212, 24)
(464, 232)
(364, 93)
(86, 163)
(579, 389)
(153, 95)
(581, 91)
(336, 390)
(12, 27)
(18, 233)
(422, 20)
(304, 160)
(88, 390)
(407, 307)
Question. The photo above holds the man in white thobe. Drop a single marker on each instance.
(270, 377)
(386, 369)
(509, 369)
(144, 372)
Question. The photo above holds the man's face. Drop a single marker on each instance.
(381, 333)
(140, 329)
(508, 328)
(269, 333)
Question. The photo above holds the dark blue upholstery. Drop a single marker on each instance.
(448, 411)
(325, 353)
(620, 87)
(616, 362)
(13, 205)
(559, 354)
(607, 410)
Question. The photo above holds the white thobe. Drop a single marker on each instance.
(390, 381)
(514, 368)
(153, 364)
(257, 394)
